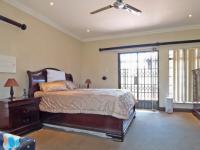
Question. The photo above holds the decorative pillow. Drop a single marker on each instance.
(52, 86)
(53, 75)
(70, 85)
(1, 139)
(10, 141)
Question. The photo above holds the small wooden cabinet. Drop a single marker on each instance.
(19, 116)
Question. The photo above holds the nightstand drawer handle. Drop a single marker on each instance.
(25, 111)
(26, 120)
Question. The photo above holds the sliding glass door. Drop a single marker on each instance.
(138, 72)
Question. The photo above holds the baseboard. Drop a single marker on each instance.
(177, 109)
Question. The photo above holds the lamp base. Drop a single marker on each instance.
(11, 98)
(88, 86)
(11, 93)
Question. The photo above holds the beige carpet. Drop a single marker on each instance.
(149, 131)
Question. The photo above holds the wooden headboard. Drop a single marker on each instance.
(40, 76)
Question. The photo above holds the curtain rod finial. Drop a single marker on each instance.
(23, 27)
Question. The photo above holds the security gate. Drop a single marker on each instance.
(138, 72)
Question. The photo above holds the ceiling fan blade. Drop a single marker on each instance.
(132, 9)
(101, 9)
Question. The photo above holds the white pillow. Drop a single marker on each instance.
(53, 75)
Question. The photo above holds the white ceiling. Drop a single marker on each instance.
(72, 16)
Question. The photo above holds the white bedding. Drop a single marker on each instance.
(113, 102)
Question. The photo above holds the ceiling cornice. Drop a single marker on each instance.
(41, 17)
(135, 34)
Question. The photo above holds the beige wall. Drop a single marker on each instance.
(38, 47)
(95, 64)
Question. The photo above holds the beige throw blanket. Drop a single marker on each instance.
(112, 102)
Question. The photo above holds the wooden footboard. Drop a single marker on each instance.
(111, 126)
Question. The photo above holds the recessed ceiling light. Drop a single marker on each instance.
(190, 15)
(88, 30)
(51, 3)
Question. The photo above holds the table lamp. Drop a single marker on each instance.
(11, 83)
(88, 82)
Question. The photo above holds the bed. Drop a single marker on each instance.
(113, 125)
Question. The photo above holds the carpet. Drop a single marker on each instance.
(149, 131)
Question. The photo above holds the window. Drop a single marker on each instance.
(181, 64)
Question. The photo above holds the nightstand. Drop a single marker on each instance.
(19, 116)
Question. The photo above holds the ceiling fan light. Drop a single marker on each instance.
(133, 12)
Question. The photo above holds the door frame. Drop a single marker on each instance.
(119, 69)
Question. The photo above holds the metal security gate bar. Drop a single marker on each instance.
(138, 72)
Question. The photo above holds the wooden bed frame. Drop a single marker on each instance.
(111, 126)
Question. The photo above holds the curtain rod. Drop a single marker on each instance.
(15, 23)
(149, 45)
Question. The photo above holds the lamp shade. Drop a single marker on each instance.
(11, 82)
(88, 81)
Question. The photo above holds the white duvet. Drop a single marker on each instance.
(113, 102)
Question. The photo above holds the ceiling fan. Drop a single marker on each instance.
(119, 4)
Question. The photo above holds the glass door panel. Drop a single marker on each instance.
(139, 74)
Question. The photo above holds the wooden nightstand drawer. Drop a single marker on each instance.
(19, 116)
(24, 114)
